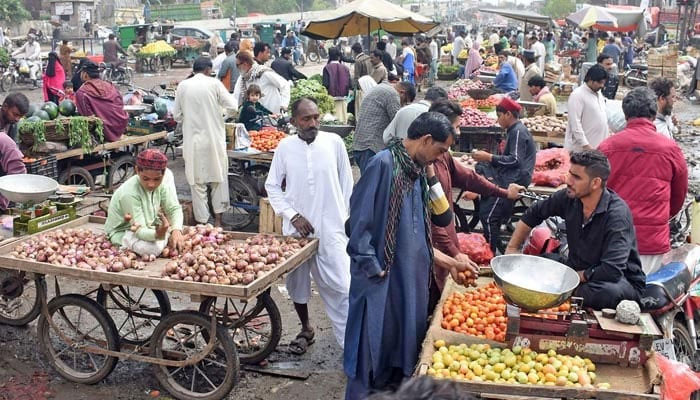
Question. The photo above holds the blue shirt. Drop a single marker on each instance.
(506, 80)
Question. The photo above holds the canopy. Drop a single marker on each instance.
(592, 16)
(361, 17)
(629, 18)
(527, 17)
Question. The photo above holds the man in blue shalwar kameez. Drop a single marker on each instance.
(391, 259)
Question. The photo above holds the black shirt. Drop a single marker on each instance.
(605, 246)
(610, 89)
(517, 162)
(286, 70)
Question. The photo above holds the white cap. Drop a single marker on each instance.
(220, 45)
(385, 37)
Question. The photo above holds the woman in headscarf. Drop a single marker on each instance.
(474, 61)
(53, 79)
(65, 51)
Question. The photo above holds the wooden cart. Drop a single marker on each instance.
(195, 353)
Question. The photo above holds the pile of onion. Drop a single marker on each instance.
(81, 248)
(227, 262)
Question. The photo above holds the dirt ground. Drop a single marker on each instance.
(26, 374)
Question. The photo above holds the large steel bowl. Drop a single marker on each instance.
(27, 188)
(533, 283)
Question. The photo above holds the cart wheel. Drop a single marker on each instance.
(244, 203)
(84, 322)
(122, 169)
(179, 336)
(135, 311)
(77, 176)
(256, 329)
(258, 173)
(24, 304)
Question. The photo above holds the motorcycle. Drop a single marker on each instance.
(299, 56)
(317, 53)
(121, 75)
(636, 75)
(17, 72)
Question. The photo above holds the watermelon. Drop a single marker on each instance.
(51, 109)
(33, 118)
(33, 108)
(66, 108)
(160, 107)
(41, 114)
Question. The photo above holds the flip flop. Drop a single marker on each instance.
(302, 342)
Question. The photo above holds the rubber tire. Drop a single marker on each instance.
(680, 333)
(163, 304)
(121, 161)
(249, 192)
(634, 83)
(40, 285)
(314, 57)
(100, 315)
(275, 326)
(81, 172)
(255, 173)
(161, 373)
(7, 82)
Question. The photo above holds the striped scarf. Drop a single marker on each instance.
(404, 174)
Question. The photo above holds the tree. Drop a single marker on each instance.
(558, 8)
(13, 11)
(244, 7)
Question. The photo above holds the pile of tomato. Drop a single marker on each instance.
(485, 103)
(479, 312)
(266, 139)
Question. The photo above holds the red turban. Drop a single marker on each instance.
(509, 104)
(152, 159)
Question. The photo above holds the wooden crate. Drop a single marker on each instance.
(655, 60)
(655, 72)
(671, 61)
(230, 136)
(269, 221)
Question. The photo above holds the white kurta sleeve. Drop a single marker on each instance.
(237, 92)
(177, 108)
(226, 99)
(273, 186)
(344, 173)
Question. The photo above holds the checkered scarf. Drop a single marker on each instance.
(404, 174)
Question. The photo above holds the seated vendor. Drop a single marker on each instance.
(13, 108)
(101, 99)
(600, 233)
(541, 94)
(144, 213)
(506, 80)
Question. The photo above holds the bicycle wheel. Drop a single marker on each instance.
(244, 203)
(24, 305)
(256, 328)
(258, 174)
(135, 311)
(179, 336)
(119, 172)
(85, 323)
(7, 82)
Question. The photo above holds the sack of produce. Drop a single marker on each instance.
(476, 247)
(551, 167)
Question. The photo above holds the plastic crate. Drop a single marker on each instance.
(46, 166)
(480, 138)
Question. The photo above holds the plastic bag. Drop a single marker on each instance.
(616, 117)
(476, 247)
(679, 381)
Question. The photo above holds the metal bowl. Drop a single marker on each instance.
(533, 283)
(27, 188)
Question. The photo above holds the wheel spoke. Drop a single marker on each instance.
(170, 374)
(206, 378)
(92, 360)
(194, 376)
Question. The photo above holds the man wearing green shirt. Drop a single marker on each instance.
(144, 213)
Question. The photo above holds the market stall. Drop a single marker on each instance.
(132, 308)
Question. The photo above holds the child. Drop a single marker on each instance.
(251, 111)
(68, 93)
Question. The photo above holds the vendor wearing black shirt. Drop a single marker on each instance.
(600, 233)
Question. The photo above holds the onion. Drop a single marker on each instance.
(188, 279)
(166, 252)
(205, 278)
(117, 266)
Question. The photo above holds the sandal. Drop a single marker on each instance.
(302, 342)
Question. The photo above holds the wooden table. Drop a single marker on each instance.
(125, 141)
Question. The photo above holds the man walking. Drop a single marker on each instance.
(665, 92)
(199, 101)
(228, 74)
(531, 70)
(649, 172)
(284, 67)
(376, 112)
(314, 169)
(610, 89)
(363, 65)
(588, 122)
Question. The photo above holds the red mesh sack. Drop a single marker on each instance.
(551, 167)
(679, 381)
(476, 247)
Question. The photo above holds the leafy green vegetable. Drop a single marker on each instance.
(317, 77)
(4, 57)
(315, 90)
(447, 69)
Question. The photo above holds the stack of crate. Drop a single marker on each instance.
(663, 64)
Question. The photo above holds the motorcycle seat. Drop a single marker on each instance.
(665, 286)
(640, 67)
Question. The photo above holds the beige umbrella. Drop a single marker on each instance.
(361, 17)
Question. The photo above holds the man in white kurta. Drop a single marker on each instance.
(587, 125)
(200, 102)
(275, 89)
(314, 203)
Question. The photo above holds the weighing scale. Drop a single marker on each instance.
(532, 283)
(138, 125)
(37, 205)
